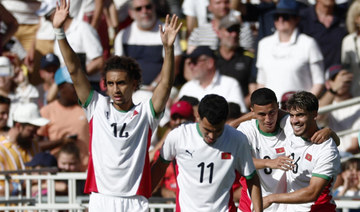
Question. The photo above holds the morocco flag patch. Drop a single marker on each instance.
(225, 155)
(280, 150)
(308, 157)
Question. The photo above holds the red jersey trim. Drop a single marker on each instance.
(145, 182)
(90, 184)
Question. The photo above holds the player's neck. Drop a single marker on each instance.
(310, 132)
(124, 107)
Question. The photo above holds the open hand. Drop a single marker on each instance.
(282, 162)
(61, 13)
(321, 135)
(170, 30)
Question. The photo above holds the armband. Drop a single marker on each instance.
(59, 33)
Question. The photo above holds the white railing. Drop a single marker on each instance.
(346, 103)
(73, 202)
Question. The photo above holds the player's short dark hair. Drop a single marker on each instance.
(126, 64)
(262, 96)
(192, 100)
(4, 100)
(70, 148)
(303, 100)
(214, 107)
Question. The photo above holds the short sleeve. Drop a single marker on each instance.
(168, 150)
(244, 161)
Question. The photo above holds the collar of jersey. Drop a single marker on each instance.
(198, 129)
(268, 134)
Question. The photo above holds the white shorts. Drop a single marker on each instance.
(100, 202)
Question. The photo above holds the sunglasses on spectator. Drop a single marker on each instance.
(195, 61)
(234, 28)
(147, 7)
(285, 17)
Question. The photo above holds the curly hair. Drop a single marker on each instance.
(353, 12)
(126, 64)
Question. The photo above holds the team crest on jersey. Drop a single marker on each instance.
(134, 114)
(280, 150)
(308, 157)
(107, 114)
(225, 155)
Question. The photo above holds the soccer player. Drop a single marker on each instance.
(267, 141)
(310, 181)
(207, 155)
(119, 171)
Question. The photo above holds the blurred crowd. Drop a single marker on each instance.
(226, 47)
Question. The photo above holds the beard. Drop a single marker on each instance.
(23, 142)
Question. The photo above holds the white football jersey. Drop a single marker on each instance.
(206, 173)
(311, 160)
(119, 142)
(264, 146)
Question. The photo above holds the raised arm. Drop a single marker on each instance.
(162, 91)
(78, 76)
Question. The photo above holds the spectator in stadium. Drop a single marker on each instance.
(4, 116)
(232, 60)
(117, 171)
(285, 97)
(350, 48)
(315, 165)
(39, 161)
(209, 16)
(234, 112)
(85, 41)
(141, 41)
(338, 84)
(289, 60)
(47, 89)
(325, 22)
(207, 79)
(351, 178)
(207, 155)
(69, 160)
(11, 26)
(67, 119)
(21, 144)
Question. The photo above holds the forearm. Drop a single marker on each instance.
(157, 172)
(255, 192)
(245, 117)
(326, 99)
(260, 163)
(317, 89)
(162, 90)
(99, 4)
(303, 195)
(72, 61)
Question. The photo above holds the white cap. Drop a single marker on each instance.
(29, 113)
(46, 7)
(5, 67)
